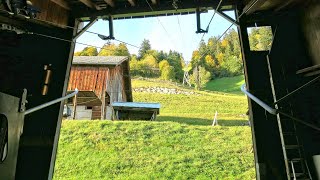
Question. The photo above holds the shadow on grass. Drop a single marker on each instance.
(201, 121)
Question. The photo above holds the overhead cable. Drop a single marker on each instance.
(182, 39)
(66, 40)
(214, 13)
(161, 24)
(233, 23)
(70, 27)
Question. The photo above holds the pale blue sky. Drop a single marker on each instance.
(133, 31)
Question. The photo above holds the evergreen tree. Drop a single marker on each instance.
(144, 48)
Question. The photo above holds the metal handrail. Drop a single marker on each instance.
(51, 102)
(274, 111)
(258, 101)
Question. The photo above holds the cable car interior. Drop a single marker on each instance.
(37, 42)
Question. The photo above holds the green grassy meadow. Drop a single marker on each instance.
(180, 144)
(227, 84)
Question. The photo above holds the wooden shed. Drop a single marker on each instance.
(100, 80)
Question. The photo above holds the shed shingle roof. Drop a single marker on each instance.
(99, 60)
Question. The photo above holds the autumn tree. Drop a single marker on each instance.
(107, 50)
(87, 51)
(114, 50)
(200, 77)
(260, 38)
(167, 73)
(77, 53)
(163, 64)
(121, 50)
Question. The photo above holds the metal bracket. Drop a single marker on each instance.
(199, 30)
(7, 27)
(9, 109)
(23, 101)
(111, 36)
(227, 17)
(84, 29)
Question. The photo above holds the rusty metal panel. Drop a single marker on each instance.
(9, 106)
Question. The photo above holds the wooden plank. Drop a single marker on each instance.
(110, 3)
(43, 5)
(86, 80)
(132, 2)
(51, 12)
(308, 69)
(90, 4)
(95, 73)
(93, 78)
(89, 79)
(62, 3)
(79, 79)
(74, 107)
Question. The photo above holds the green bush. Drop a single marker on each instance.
(167, 73)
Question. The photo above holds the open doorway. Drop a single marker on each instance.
(202, 130)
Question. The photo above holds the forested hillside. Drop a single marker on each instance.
(215, 58)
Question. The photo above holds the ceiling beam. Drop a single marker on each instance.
(90, 4)
(285, 4)
(62, 3)
(84, 29)
(110, 2)
(132, 2)
(253, 6)
(144, 10)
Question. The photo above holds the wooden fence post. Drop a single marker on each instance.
(215, 120)
(74, 107)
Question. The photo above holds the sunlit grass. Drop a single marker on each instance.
(228, 84)
(180, 144)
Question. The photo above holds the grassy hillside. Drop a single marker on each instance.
(228, 84)
(181, 144)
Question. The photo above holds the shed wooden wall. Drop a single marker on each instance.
(100, 79)
(88, 78)
(116, 85)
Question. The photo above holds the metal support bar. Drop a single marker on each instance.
(51, 103)
(199, 30)
(84, 29)
(228, 18)
(293, 170)
(299, 121)
(297, 90)
(258, 101)
(111, 36)
(275, 111)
